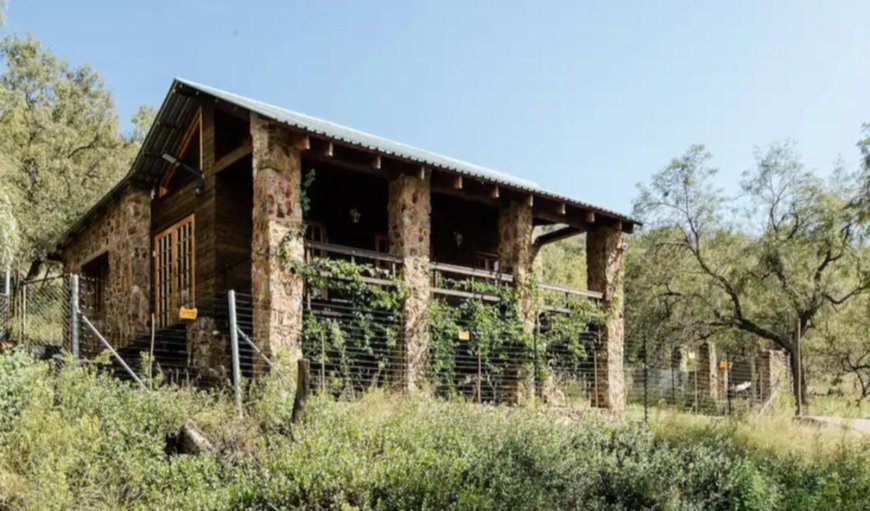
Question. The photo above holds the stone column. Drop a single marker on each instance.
(722, 382)
(517, 258)
(135, 258)
(707, 370)
(771, 369)
(604, 252)
(278, 230)
(409, 217)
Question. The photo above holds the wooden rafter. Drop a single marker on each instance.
(194, 128)
(557, 235)
(233, 156)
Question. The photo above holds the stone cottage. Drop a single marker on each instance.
(220, 182)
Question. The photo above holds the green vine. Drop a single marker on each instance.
(497, 339)
(352, 337)
(485, 331)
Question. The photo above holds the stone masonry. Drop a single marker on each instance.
(771, 373)
(604, 253)
(517, 258)
(707, 371)
(409, 213)
(122, 232)
(278, 228)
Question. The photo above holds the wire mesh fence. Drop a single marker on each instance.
(38, 314)
(701, 379)
(352, 348)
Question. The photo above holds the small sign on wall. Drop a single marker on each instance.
(187, 313)
(723, 364)
(464, 335)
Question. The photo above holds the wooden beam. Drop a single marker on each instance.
(300, 142)
(557, 235)
(329, 151)
(589, 217)
(457, 182)
(233, 156)
(530, 200)
(463, 194)
(422, 173)
(376, 163)
(570, 219)
(495, 193)
(562, 210)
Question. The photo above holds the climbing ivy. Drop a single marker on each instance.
(352, 338)
(499, 350)
(485, 330)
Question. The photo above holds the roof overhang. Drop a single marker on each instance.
(183, 100)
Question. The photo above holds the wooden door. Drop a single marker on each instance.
(174, 271)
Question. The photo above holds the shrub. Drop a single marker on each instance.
(72, 439)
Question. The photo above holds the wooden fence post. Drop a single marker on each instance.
(303, 388)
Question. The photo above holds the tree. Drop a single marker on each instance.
(803, 252)
(59, 133)
(142, 121)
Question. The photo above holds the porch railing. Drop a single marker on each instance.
(386, 262)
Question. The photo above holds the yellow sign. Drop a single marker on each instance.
(723, 364)
(185, 313)
(464, 335)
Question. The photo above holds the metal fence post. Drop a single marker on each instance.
(7, 311)
(645, 384)
(74, 314)
(234, 344)
(23, 309)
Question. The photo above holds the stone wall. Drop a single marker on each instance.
(123, 232)
(771, 372)
(278, 228)
(604, 253)
(409, 213)
(707, 371)
(517, 257)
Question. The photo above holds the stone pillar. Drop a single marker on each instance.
(722, 382)
(604, 252)
(135, 259)
(277, 238)
(517, 258)
(771, 369)
(409, 217)
(707, 370)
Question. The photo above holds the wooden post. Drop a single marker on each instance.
(303, 388)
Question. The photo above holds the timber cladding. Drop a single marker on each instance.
(121, 233)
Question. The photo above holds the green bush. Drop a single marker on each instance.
(71, 439)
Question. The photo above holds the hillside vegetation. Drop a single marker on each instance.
(72, 440)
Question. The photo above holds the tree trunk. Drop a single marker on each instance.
(797, 374)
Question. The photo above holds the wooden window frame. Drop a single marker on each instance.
(194, 128)
(166, 307)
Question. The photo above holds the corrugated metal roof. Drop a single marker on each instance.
(178, 109)
(375, 143)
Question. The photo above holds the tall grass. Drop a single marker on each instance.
(70, 439)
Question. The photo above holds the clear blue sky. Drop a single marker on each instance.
(586, 100)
